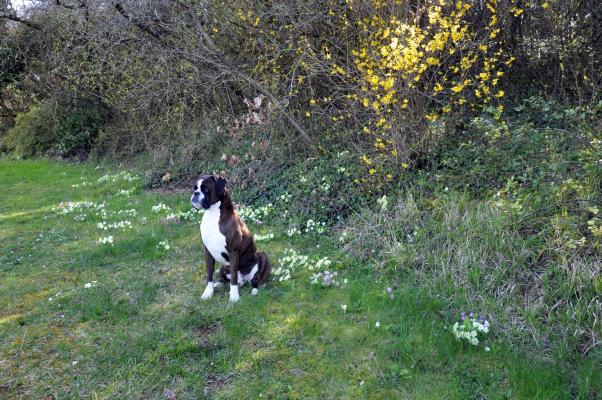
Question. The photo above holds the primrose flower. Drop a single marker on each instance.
(106, 240)
(470, 328)
(164, 245)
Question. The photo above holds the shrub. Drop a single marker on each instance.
(32, 134)
(65, 128)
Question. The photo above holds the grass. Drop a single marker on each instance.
(142, 331)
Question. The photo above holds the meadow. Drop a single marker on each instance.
(100, 285)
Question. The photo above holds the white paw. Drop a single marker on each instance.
(208, 291)
(254, 291)
(234, 297)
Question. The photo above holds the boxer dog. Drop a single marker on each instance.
(227, 239)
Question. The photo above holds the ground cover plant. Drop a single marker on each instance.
(87, 317)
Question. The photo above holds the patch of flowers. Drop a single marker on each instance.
(323, 262)
(121, 176)
(324, 185)
(292, 231)
(263, 238)
(126, 192)
(470, 328)
(127, 213)
(191, 215)
(312, 226)
(163, 245)
(71, 207)
(383, 203)
(286, 197)
(90, 284)
(255, 215)
(81, 184)
(106, 240)
(80, 209)
(290, 262)
(160, 208)
(103, 226)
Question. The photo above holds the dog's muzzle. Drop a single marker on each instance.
(198, 201)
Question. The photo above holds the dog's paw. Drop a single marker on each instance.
(208, 291)
(234, 297)
(254, 292)
(217, 285)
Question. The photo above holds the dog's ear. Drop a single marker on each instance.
(220, 186)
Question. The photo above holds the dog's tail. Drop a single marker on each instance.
(264, 269)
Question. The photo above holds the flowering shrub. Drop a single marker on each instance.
(396, 70)
(470, 328)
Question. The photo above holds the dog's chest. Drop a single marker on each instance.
(213, 239)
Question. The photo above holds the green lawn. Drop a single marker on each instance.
(141, 330)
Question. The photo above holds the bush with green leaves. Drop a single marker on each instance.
(57, 127)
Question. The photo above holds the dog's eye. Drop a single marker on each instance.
(203, 189)
(195, 187)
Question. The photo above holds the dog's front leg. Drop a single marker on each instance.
(210, 265)
(234, 277)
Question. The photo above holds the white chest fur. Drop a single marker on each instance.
(213, 239)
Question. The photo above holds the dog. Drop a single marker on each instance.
(227, 240)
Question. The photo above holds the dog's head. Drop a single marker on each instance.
(208, 190)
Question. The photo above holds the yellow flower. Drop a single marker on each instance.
(545, 5)
(516, 11)
(404, 165)
(458, 88)
(432, 117)
(500, 94)
(388, 83)
(312, 102)
(307, 114)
